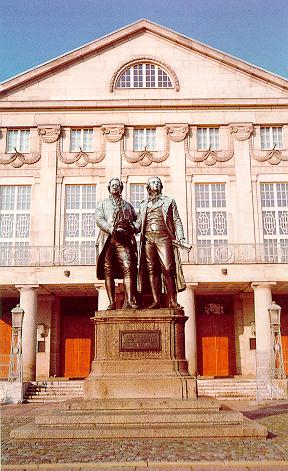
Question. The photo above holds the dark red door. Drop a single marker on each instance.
(77, 336)
(215, 336)
(5, 334)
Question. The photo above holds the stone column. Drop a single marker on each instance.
(241, 133)
(262, 301)
(28, 302)
(103, 300)
(187, 300)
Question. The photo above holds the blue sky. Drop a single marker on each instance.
(35, 31)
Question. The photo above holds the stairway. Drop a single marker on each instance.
(224, 388)
(53, 391)
(229, 388)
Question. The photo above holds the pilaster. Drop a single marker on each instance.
(241, 133)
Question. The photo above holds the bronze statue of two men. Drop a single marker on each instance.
(162, 233)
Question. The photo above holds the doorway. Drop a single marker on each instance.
(77, 336)
(215, 336)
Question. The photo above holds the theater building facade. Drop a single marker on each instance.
(139, 102)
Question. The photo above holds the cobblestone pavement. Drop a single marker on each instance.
(152, 454)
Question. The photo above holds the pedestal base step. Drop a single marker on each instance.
(148, 418)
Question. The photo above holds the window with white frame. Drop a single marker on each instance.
(271, 138)
(137, 194)
(82, 139)
(79, 232)
(208, 138)
(15, 206)
(144, 139)
(274, 202)
(211, 221)
(18, 140)
(144, 75)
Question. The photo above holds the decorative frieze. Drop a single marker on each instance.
(49, 133)
(241, 131)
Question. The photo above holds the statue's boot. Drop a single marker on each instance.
(154, 284)
(130, 300)
(110, 289)
(171, 291)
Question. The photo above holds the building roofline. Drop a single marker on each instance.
(103, 42)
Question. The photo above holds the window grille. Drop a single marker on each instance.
(18, 139)
(81, 139)
(144, 139)
(15, 206)
(211, 221)
(80, 228)
(208, 138)
(271, 137)
(274, 201)
(144, 75)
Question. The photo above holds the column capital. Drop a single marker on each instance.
(262, 284)
(241, 131)
(27, 287)
(177, 132)
(113, 132)
(49, 132)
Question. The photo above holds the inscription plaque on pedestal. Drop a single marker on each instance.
(140, 340)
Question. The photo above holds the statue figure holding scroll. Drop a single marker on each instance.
(161, 235)
(116, 244)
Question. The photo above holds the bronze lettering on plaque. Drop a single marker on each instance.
(140, 341)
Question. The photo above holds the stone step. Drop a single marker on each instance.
(141, 418)
(138, 418)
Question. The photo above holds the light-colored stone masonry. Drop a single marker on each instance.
(214, 90)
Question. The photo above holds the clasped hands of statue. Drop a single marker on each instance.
(123, 230)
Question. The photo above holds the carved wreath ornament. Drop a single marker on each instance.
(111, 133)
(209, 157)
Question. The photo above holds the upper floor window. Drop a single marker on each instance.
(15, 205)
(144, 139)
(80, 228)
(208, 138)
(274, 201)
(211, 221)
(271, 138)
(81, 139)
(144, 75)
(18, 140)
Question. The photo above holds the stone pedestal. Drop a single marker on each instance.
(140, 387)
(139, 354)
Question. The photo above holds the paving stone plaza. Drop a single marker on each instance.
(202, 454)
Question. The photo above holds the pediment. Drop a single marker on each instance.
(86, 73)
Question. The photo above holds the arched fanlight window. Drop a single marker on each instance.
(144, 75)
